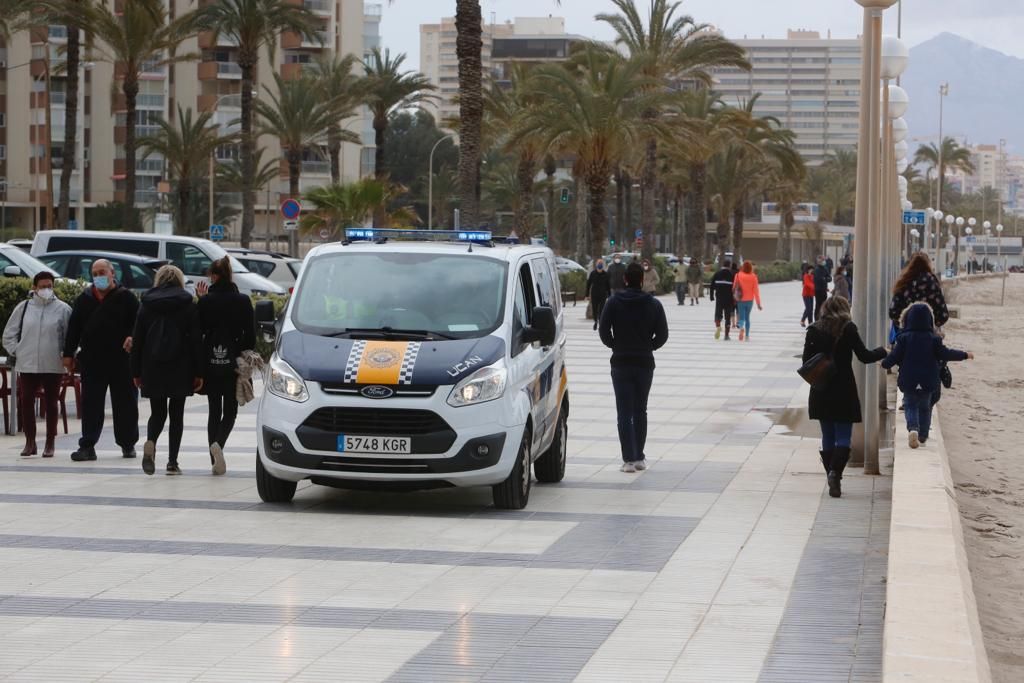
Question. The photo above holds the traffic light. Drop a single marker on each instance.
(565, 195)
(612, 241)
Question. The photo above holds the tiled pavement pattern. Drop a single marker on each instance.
(723, 562)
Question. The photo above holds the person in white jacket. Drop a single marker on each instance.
(35, 335)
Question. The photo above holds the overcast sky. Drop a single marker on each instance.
(989, 22)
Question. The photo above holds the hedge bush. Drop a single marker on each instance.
(574, 281)
(779, 271)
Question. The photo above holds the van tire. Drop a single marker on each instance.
(272, 489)
(514, 492)
(550, 467)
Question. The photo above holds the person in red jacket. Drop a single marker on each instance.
(808, 295)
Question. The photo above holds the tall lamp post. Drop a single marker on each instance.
(943, 93)
(987, 225)
(969, 249)
(950, 220)
(959, 230)
(937, 216)
(430, 182)
(999, 244)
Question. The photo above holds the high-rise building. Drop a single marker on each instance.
(32, 128)
(809, 83)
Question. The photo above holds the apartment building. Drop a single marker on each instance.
(524, 39)
(809, 83)
(32, 134)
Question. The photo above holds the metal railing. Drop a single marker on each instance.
(228, 69)
(316, 166)
(317, 5)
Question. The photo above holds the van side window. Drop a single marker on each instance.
(525, 301)
(191, 260)
(143, 247)
(547, 295)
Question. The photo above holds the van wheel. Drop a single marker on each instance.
(514, 492)
(272, 489)
(550, 467)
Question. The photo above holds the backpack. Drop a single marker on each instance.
(163, 340)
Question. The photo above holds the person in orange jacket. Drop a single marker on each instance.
(746, 292)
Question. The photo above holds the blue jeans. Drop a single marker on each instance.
(743, 309)
(835, 435)
(632, 386)
(917, 406)
(808, 309)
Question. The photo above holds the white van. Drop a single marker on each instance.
(192, 255)
(403, 361)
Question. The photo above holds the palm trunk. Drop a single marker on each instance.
(552, 232)
(131, 93)
(619, 202)
(248, 67)
(738, 216)
(184, 190)
(627, 233)
(649, 183)
(379, 126)
(696, 226)
(334, 152)
(294, 176)
(525, 171)
(70, 129)
(675, 221)
(468, 46)
(581, 221)
(724, 232)
(597, 188)
(780, 243)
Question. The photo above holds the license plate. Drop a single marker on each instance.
(377, 445)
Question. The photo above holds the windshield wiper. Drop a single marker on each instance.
(387, 332)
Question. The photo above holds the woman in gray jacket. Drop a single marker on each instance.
(35, 335)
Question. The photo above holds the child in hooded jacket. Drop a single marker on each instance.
(918, 351)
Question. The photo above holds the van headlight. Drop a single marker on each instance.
(483, 385)
(283, 381)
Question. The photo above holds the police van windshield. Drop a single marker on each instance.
(440, 296)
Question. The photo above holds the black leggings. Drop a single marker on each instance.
(159, 409)
(223, 411)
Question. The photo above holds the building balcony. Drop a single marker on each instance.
(219, 102)
(210, 71)
(314, 167)
(292, 70)
(206, 41)
(320, 7)
(293, 41)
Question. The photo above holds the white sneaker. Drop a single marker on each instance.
(914, 440)
(628, 467)
(640, 465)
(217, 455)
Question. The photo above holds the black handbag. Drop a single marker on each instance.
(820, 368)
(945, 375)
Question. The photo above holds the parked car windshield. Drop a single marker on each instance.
(444, 295)
(29, 265)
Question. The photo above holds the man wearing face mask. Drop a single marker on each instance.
(100, 336)
(598, 290)
(617, 274)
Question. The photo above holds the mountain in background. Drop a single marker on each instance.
(986, 93)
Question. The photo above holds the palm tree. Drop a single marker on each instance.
(954, 157)
(138, 36)
(670, 49)
(253, 25)
(186, 147)
(336, 207)
(595, 113)
(387, 88)
(338, 82)
(17, 15)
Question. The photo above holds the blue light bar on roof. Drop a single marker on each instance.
(371, 234)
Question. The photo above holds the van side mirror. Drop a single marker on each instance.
(12, 271)
(543, 328)
(265, 318)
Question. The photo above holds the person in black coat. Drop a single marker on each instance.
(836, 405)
(229, 328)
(167, 361)
(617, 274)
(721, 294)
(822, 276)
(633, 327)
(598, 290)
(99, 339)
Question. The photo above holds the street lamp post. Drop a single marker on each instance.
(950, 220)
(969, 249)
(430, 182)
(943, 93)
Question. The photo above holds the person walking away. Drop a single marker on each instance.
(822, 276)
(650, 284)
(840, 285)
(598, 290)
(746, 292)
(830, 265)
(721, 294)
(679, 282)
(836, 405)
(695, 280)
(633, 327)
(916, 283)
(100, 338)
(617, 274)
(919, 351)
(35, 335)
(229, 328)
(808, 295)
(167, 361)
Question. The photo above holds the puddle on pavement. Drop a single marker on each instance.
(794, 420)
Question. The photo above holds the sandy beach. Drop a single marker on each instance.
(983, 424)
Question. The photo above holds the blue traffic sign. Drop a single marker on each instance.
(639, 234)
(913, 218)
(217, 232)
(971, 239)
(290, 209)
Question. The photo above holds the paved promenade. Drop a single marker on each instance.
(725, 561)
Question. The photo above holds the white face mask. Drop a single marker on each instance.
(45, 293)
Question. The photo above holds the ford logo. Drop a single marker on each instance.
(377, 392)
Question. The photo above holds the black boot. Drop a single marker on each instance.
(840, 456)
(826, 460)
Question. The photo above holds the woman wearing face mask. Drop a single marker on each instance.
(650, 278)
(598, 289)
(35, 334)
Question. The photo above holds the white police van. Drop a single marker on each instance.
(417, 359)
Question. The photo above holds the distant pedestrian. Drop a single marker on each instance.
(808, 295)
(167, 361)
(633, 327)
(836, 405)
(100, 338)
(229, 329)
(695, 280)
(746, 291)
(840, 285)
(916, 283)
(829, 264)
(650, 284)
(617, 274)
(822, 277)
(35, 335)
(598, 290)
(735, 272)
(919, 352)
(679, 282)
(721, 294)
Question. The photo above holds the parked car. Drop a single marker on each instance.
(137, 273)
(191, 254)
(565, 265)
(16, 263)
(22, 243)
(279, 268)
